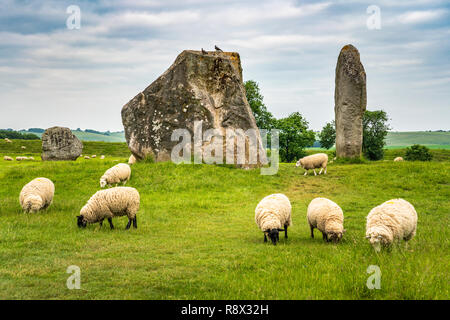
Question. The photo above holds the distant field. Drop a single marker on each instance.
(197, 239)
(436, 140)
(89, 136)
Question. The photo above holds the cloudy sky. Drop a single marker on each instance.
(52, 75)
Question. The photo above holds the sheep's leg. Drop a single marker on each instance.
(129, 224)
(285, 232)
(135, 222)
(320, 172)
(265, 238)
(315, 172)
(312, 231)
(101, 223)
(325, 170)
(110, 223)
(306, 172)
(324, 236)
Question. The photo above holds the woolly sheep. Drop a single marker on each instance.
(94, 156)
(132, 159)
(6, 158)
(273, 214)
(102, 157)
(37, 195)
(326, 216)
(87, 157)
(120, 173)
(110, 203)
(21, 158)
(31, 158)
(7, 140)
(23, 147)
(398, 159)
(395, 219)
(318, 160)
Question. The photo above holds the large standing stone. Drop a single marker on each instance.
(59, 143)
(350, 102)
(197, 87)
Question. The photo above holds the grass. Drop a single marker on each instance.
(197, 239)
(441, 139)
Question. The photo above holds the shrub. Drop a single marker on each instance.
(418, 152)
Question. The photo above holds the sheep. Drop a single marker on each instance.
(37, 195)
(6, 158)
(21, 158)
(398, 159)
(110, 203)
(102, 157)
(318, 160)
(31, 158)
(23, 147)
(120, 173)
(273, 214)
(394, 219)
(326, 216)
(7, 140)
(132, 159)
(94, 156)
(87, 157)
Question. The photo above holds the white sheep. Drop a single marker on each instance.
(110, 203)
(395, 219)
(37, 195)
(87, 157)
(120, 173)
(31, 158)
(398, 159)
(23, 147)
(273, 214)
(7, 140)
(94, 156)
(318, 160)
(102, 157)
(132, 159)
(6, 158)
(21, 158)
(326, 216)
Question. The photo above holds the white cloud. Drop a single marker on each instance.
(421, 16)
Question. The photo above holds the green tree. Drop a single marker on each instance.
(418, 152)
(294, 137)
(327, 137)
(375, 129)
(264, 119)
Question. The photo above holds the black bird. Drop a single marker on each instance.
(204, 52)
(218, 49)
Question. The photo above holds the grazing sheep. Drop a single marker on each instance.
(110, 203)
(318, 160)
(102, 157)
(37, 195)
(7, 140)
(328, 217)
(6, 158)
(273, 214)
(31, 158)
(132, 159)
(23, 147)
(21, 158)
(87, 157)
(94, 156)
(395, 219)
(120, 173)
(398, 159)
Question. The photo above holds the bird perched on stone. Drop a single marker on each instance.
(218, 49)
(204, 52)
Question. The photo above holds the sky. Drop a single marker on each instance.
(55, 75)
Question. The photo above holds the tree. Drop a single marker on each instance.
(327, 136)
(294, 137)
(375, 129)
(264, 119)
(418, 152)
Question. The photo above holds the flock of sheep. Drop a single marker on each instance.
(393, 220)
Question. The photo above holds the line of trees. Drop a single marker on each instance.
(295, 134)
(11, 134)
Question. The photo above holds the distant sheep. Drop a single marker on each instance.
(398, 159)
(7, 140)
(23, 147)
(132, 159)
(21, 158)
(273, 214)
(31, 158)
(318, 160)
(6, 158)
(87, 157)
(102, 157)
(110, 203)
(37, 195)
(326, 216)
(94, 156)
(395, 219)
(120, 173)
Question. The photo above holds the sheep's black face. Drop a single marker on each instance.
(274, 236)
(334, 237)
(81, 222)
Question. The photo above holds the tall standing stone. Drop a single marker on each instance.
(59, 143)
(197, 87)
(350, 102)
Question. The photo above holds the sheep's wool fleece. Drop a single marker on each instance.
(325, 215)
(397, 216)
(318, 160)
(398, 159)
(273, 212)
(119, 173)
(114, 202)
(132, 159)
(42, 188)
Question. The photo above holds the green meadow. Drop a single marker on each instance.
(197, 239)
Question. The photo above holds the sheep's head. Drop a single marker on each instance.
(335, 236)
(81, 221)
(102, 183)
(299, 163)
(274, 235)
(378, 238)
(33, 203)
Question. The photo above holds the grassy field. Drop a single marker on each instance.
(197, 239)
(90, 136)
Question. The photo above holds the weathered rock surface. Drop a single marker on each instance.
(197, 87)
(350, 102)
(59, 143)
